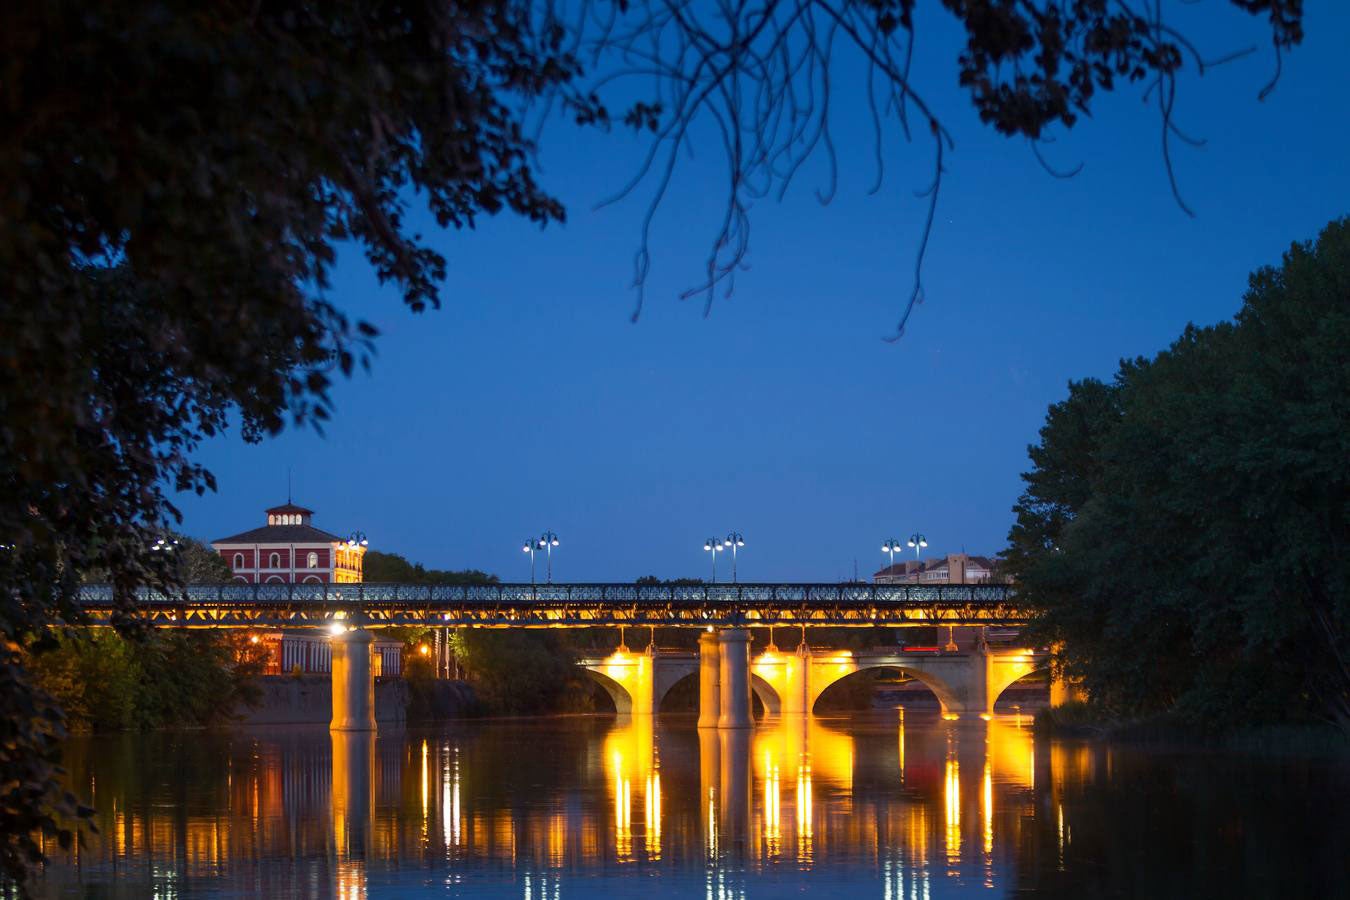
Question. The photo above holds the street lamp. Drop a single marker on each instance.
(892, 547)
(713, 546)
(163, 544)
(357, 539)
(548, 540)
(917, 541)
(734, 540)
(531, 545)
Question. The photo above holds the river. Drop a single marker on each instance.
(877, 806)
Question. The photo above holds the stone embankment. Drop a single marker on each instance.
(308, 700)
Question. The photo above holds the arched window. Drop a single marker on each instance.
(313, 579)
(238, 561)
(274, 561)
(271, 520)
(313, 560)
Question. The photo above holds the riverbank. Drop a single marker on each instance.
(308, 700)
(1085, 722)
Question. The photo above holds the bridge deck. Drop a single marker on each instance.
(238, 605)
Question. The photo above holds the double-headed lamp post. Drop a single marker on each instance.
(734, 541)
(713, 546)
(892, 547)
(531, 545)
(548, 540)
(918, 542)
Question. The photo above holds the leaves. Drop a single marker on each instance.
(1183, 529)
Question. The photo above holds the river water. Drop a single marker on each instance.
(881, 806)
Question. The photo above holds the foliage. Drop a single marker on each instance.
(105, 682)
(518, 671)
(190, 562)
(392, 568)
(769, 78)
(178, 177)
(652, 581)
(1183, 529)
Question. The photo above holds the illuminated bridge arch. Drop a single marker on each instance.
(1007, 670)
(623, 700)
(767, 694)
(834, 673)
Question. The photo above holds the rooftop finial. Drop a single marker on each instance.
(289, 471)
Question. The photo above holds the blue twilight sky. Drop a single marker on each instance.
(530, 402)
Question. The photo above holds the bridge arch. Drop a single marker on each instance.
(773, 704)
(822, 681)
(623, 701)
(763, 691)
(1005, 675)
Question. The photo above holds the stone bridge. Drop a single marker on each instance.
(790, 683)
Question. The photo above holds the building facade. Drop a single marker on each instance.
(954, 568)
(289, 549)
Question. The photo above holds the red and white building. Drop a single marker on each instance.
(289, 549)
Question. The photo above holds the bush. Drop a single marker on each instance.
(109, 683)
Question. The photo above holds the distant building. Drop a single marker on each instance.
(954, 568)
(289, 549)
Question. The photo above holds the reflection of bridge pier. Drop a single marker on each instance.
(353, 790)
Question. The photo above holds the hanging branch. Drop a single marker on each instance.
(763, 76)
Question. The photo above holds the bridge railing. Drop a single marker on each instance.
(374, 595)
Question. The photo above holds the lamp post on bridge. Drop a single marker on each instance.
(161, 545)
(713, 546)
(734, 540)
(891, 546)
(918, 542)
(531, 545)
(548, 540)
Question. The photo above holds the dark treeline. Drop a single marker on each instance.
(1185, 526)
(149, 678)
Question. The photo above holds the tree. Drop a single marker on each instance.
(178, 177)
(1183, 529)
(393, 568)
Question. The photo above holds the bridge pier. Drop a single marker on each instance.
(734, 707)
(353, 684)
(709, 680)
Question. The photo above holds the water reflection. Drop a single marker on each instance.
(894, 808)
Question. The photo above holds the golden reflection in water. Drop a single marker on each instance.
(653, 822)
(772, 810)
(987, 811)
(736, 811)
(736, 792)
(425, 795)
(951, 794)
(901, 730)
(709, 776)
(805, 811)
(623, 811)
(630, 754)
(353, 786)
